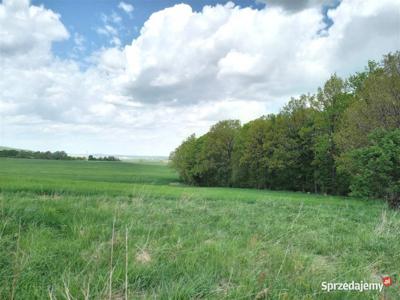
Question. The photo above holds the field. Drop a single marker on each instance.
(111, 230)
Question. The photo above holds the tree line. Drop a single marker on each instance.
(57, 155)
(342, 140)
(103, 158)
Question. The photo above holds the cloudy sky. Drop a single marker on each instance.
(137, 76)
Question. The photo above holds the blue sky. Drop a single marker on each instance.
(136, 78)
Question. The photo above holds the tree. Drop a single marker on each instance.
(376, 104)
(183, 159)
(300, 121)
(331, 103)
(249, 159)
(375, 169)
(58, 155)
(216, 153)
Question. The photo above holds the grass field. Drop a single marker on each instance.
(110, 230)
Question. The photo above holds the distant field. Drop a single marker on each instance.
(172, 241)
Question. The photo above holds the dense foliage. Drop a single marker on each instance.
(344, 139)
(57, 155)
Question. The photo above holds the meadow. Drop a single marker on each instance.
(119, 230)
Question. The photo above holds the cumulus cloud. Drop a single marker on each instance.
(362, 30)
(223, 52)
(39, 87)
(185, 71)
(228, 52)
(28, 29)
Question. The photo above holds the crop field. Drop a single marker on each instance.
(118, 230)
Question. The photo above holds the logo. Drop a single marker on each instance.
(387, 281)
(351, 286)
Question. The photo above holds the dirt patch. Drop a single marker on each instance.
(143, 257)
(262, 294)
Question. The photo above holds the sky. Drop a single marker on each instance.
(136, 77)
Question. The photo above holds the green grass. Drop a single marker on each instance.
(180, 242)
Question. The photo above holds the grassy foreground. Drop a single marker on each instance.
(110, 230)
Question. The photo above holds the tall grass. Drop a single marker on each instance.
(65, 237)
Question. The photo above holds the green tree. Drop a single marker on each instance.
(376, 104)
(217, 152)
(250, 167)
(375, 169)
(331, 102)
(291, 146)
(183, 159)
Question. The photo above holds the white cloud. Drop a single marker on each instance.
(126, 7)
(111, 18)
(222, 52)
(185, 71)
(79, 41)
(362, 30)
(109, 28)
(28, 29)
(227, 52)
(116, 18)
